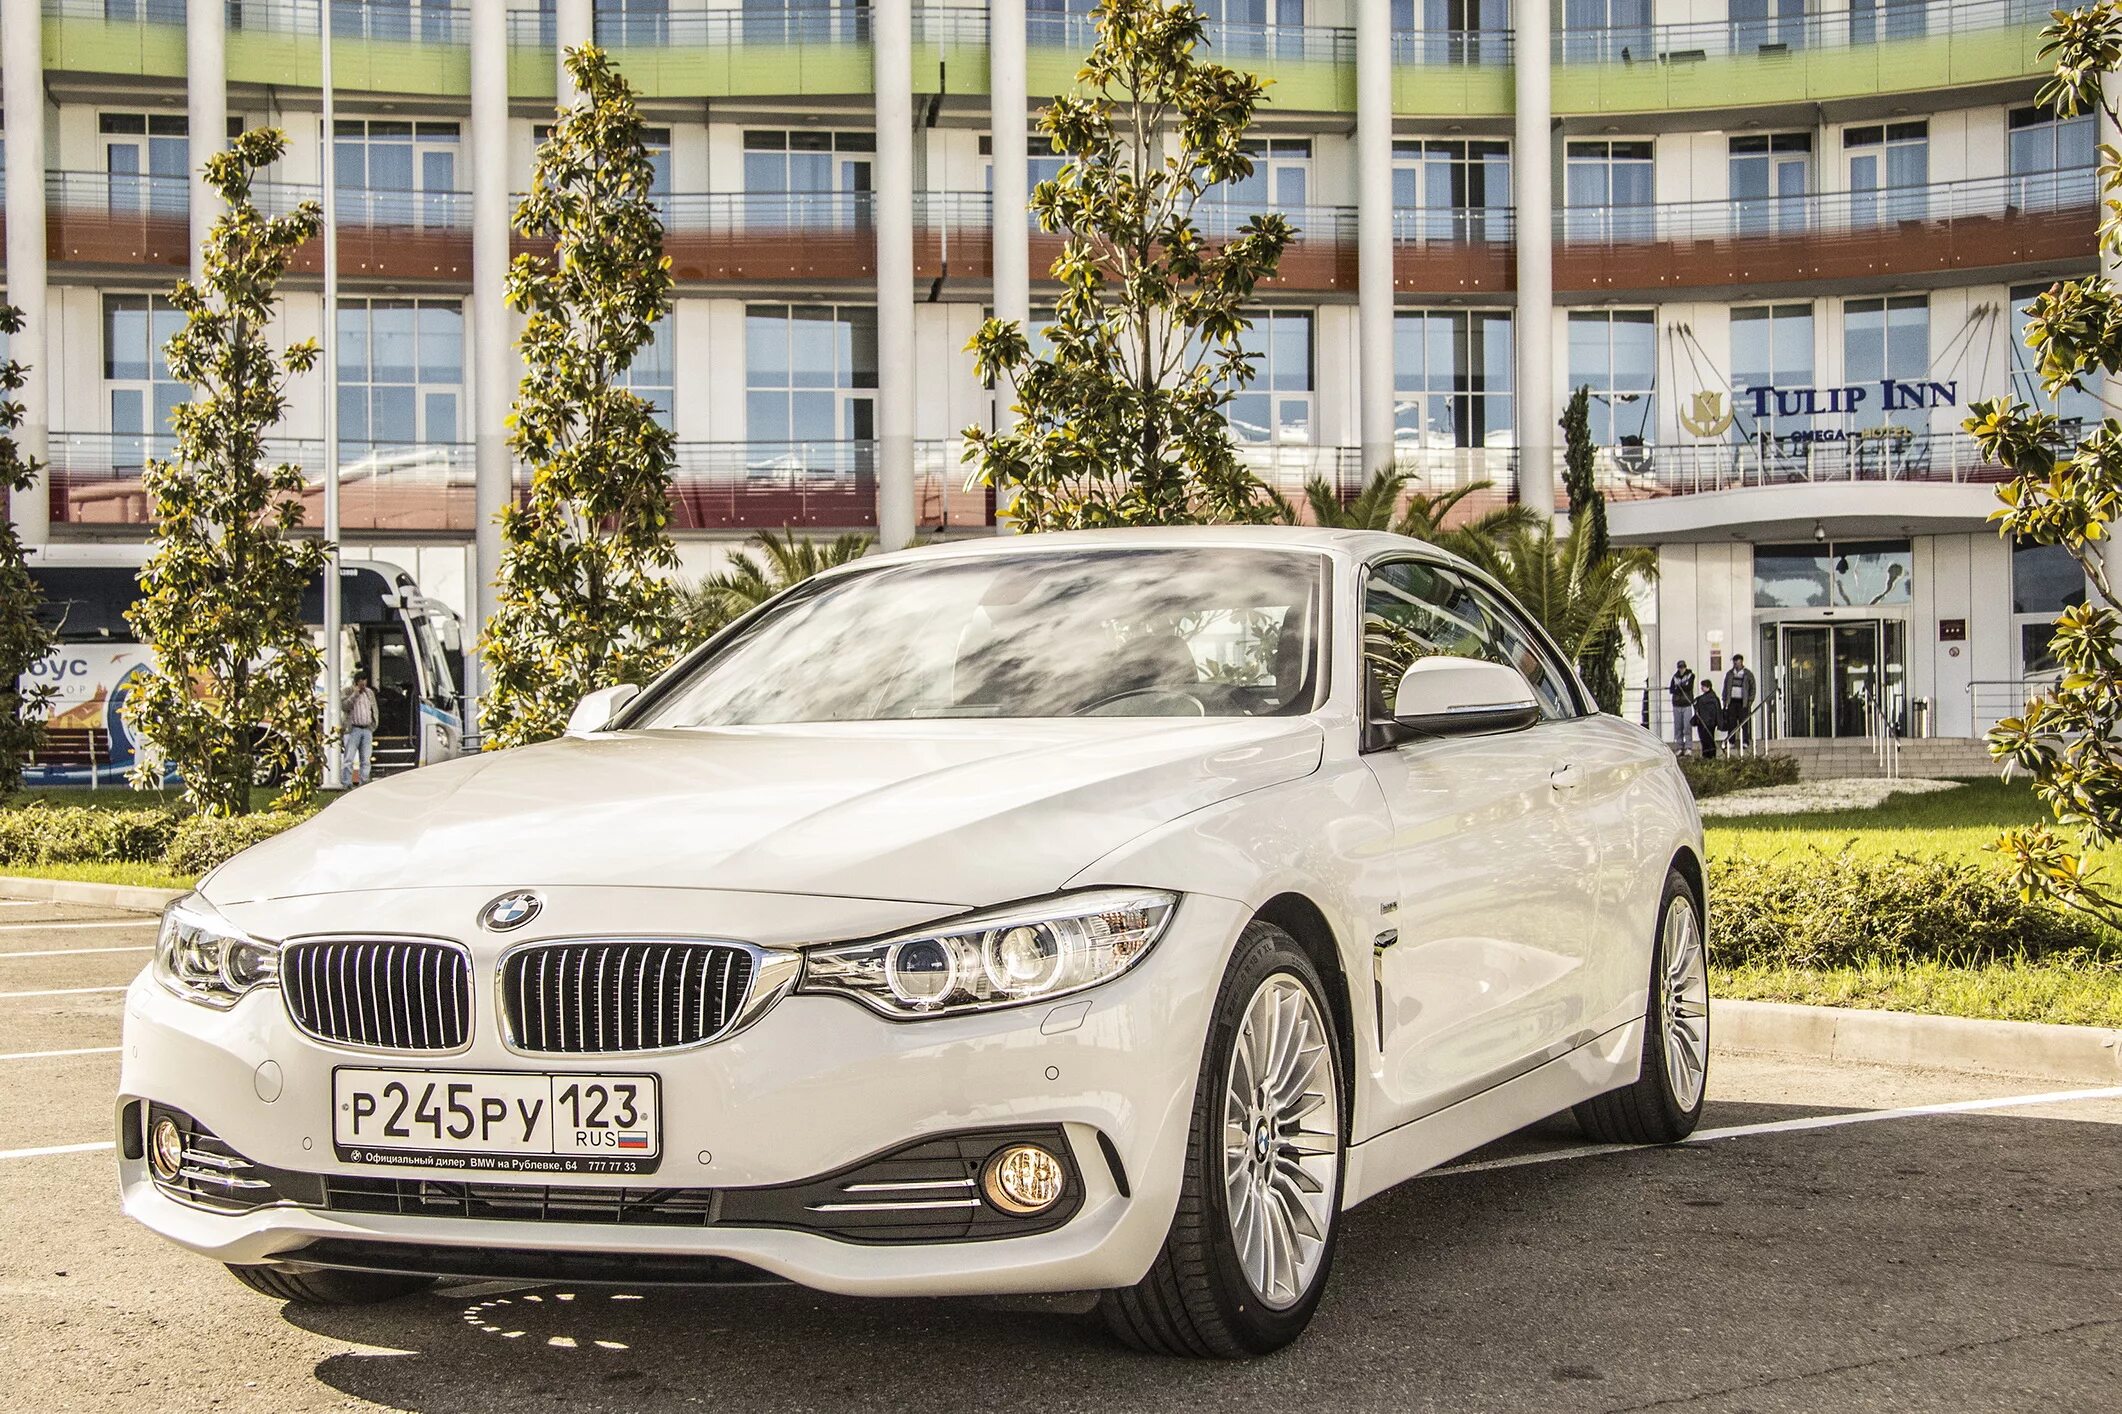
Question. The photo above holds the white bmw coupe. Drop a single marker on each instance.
(1102, 912)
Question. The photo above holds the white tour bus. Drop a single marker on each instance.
(388, 628)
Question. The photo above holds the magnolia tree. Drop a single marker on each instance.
(232, 698)
(25, 638)
(1121, 414)
(585, 598)
(2065, 492)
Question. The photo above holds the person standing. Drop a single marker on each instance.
(1680, 688)
(1739, 699)
(1709, 719)
(359, 713)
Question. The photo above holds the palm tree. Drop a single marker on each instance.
(750, 579)
(1579, 595)
(1378, 506)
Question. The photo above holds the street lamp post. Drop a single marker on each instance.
(328, 175)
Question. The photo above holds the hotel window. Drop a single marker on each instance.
(401, 373)
(1608, 190)
(146, 162)
(1767, 24)
(1889, 167)
(1882, 339)
(806, 21)
(397, 173)
(621, 22)
(1613, 352)
(1276, 407)
(1059, 22)
(811, 376)
(808, 180)
(2078, 407)
(1454, 31)
(1770, 176)
(1771, 348)
(1255, 27)
(1041, 162)
(2045, 581)
(1451, 190)
(138, 390)
(1606, 32)
(1874, 20)
(429, 21)
(1280, 181)
(651, 375)
(1452, 379)
(2050, 159)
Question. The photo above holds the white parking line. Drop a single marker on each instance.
(57, 1149)
(58, 992)
(69, 952)
(77, 923)
(1787, 1126)
(49, 1055)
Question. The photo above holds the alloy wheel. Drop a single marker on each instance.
(1281, 1148)
(1685, 1004)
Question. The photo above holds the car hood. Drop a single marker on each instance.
(963, 813)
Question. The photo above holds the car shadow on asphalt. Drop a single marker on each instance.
(1547, 1284)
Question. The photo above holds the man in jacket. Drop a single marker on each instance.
(1680, 688)
(1739, 699)
(1709, 719)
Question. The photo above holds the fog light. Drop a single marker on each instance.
(165, 1149)
(1023, 1179)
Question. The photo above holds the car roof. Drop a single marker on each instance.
(1352, 544)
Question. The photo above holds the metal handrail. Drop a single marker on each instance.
(1819, 29)
(1831, 213)
(1883, 736)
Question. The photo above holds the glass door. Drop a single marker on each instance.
(1804, 661)
(1858, 682)
(1832, 674)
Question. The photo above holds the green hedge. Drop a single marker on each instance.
(1811, 909)
(1729, 773)
(182, 843)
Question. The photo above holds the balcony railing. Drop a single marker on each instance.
(1830, 213)
(1798, 457)
(1819, 29)
(1455, 48)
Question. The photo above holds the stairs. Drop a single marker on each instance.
(1925, 757)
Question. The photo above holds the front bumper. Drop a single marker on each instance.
(817, 1085)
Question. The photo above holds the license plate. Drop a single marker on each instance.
(476, 1120)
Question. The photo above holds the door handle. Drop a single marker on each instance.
(1566, 776)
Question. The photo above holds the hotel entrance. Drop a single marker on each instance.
(1834, 635)
(1832, 674)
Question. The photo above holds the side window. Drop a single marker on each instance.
(1413, 610)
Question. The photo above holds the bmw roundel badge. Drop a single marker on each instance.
(511, 911)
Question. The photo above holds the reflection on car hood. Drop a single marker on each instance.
(964, 813)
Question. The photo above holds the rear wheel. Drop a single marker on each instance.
(329, 1288)
(1665, 1102)
(1253, 1239)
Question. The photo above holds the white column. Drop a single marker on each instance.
(1532, 182)
(22, 71)
(574, 24)
(491, 357)
(206, 115)
(893, 29)
(1009, 132)
(1374, 234)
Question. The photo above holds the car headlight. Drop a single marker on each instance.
(203, 957)
(1026, 953)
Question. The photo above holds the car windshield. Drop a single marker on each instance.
(1123, 633)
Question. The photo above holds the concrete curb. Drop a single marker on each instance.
(130, 897)
(2083, 1054)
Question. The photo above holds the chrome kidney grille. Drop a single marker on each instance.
(581, 998)
(397, 994)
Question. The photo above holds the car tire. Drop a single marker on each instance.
(1664, 1103)
(1200, 1297)
(329, 1288)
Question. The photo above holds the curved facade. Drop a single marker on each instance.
(1784, 246)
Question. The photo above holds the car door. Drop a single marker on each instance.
(1495, 858)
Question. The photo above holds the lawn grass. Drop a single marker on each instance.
(2000, 992)
(148, 876)
(115, 798)
(1959, 824)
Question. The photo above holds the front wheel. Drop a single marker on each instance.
(1253, 1240)
(1665, 1102)
(326, 1287)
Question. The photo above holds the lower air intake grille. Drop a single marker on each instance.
(399, 994)
(589, 997)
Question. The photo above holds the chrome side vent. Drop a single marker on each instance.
(590, 997)
(393, 994)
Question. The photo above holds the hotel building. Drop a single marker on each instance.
(1784, 246)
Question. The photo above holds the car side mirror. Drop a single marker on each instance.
(1463, 697)
(596, 710)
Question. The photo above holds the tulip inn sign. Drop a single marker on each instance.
(1707, 416)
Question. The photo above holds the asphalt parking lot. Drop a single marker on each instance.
(1810, 1252)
